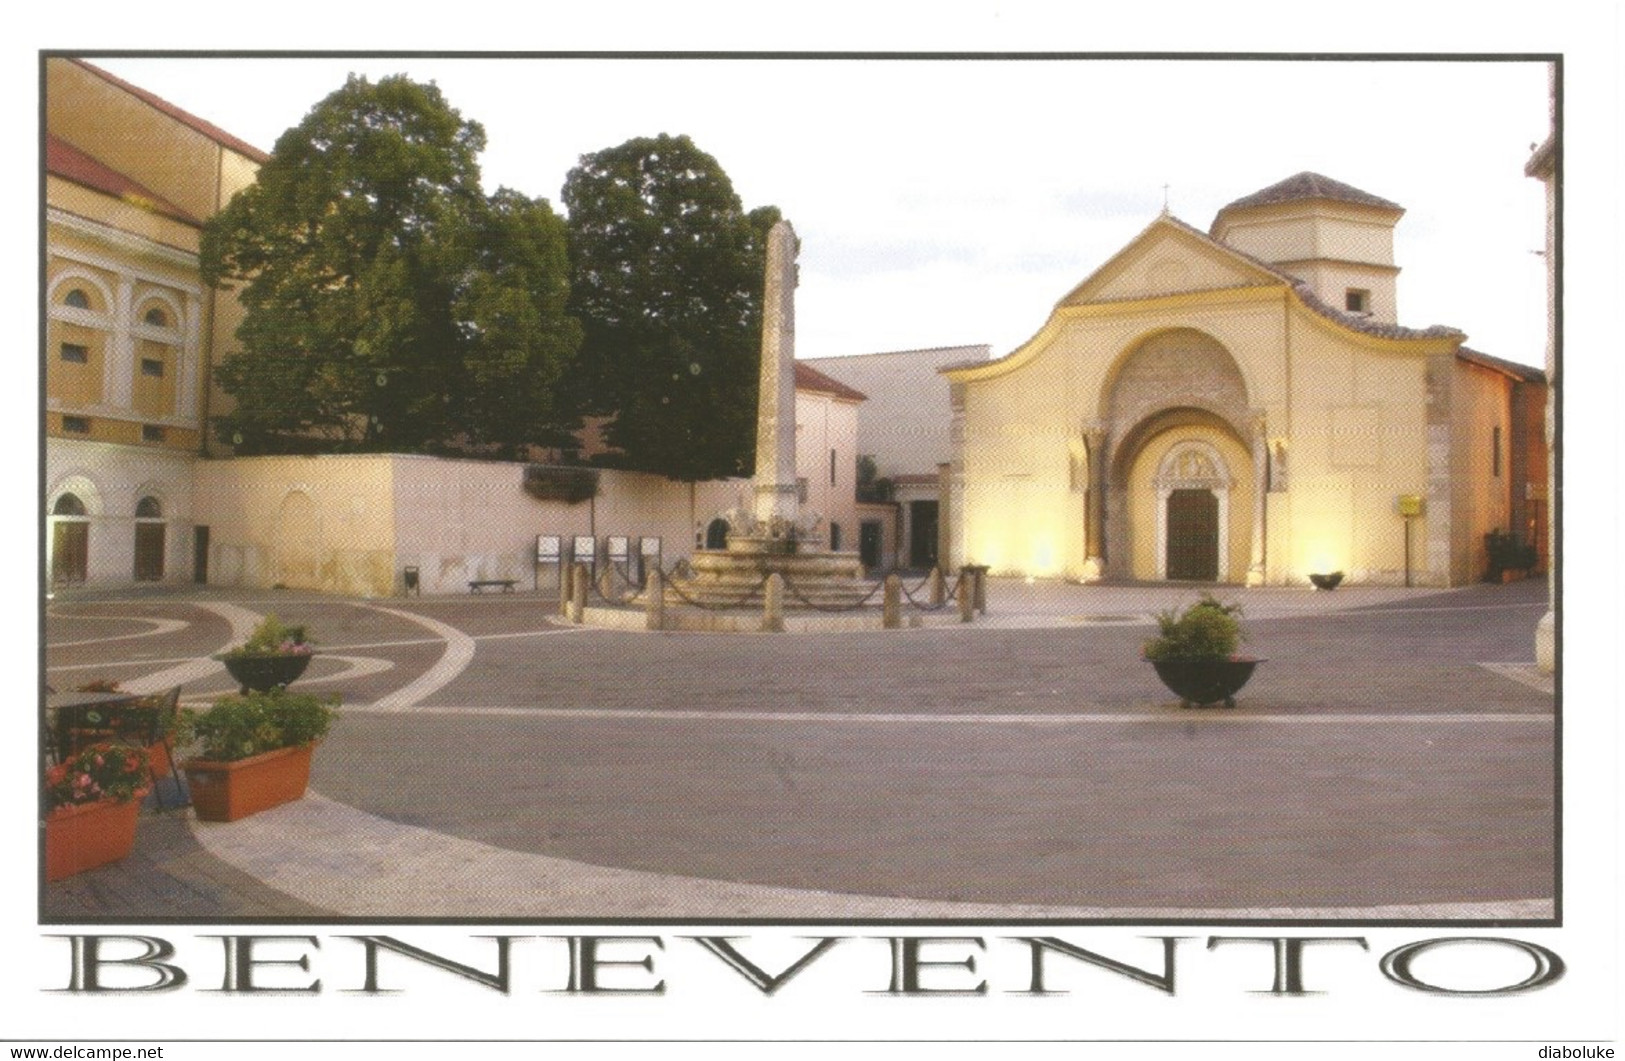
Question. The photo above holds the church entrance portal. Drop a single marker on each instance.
(1193, 504)
(1193, 536)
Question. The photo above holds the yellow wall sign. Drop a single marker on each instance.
(1409, 504)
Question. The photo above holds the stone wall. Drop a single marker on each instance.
(352, 524)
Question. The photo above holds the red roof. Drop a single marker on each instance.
(810, 379)
(208, 129)
(64, 160)
(1526, 373)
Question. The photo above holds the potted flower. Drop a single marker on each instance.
(92, 798)
(1195, 656)
(253, 750)
(274, 655)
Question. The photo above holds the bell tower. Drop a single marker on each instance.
(1336, 238)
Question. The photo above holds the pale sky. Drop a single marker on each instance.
(951, 202)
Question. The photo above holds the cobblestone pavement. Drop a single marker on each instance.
(1393, 758)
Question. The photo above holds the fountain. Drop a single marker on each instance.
(769, 534)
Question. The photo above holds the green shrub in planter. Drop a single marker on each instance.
(239, 726)
(272, 637)
(1207, 630)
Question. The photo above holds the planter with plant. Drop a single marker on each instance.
(275, 654)
(1509, 559)
(253, 751)
(1195, 655)
(92, 799)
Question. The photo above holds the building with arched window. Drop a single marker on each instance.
(1242, 406)
(131, 332)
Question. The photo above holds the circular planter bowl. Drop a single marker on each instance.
(1328, 581)
(1205, 681)
(261, 674)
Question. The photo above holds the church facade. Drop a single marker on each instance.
(1241, 406)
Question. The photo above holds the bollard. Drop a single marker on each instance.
(891, 611)
(967, 595)
(938, 592)
(773, 604)
(566, 574)
(655, 619)
(981, 591)
(578, 593)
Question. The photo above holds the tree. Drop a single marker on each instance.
(667, 277)
(388, 303)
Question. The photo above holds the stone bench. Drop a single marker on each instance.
(479, 585)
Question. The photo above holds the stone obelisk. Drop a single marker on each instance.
(775, 507)
(764, 559)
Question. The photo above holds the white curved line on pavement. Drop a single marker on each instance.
(355, 864)
(159, 626)
(354, 667)
(452, 662)
(242, 622)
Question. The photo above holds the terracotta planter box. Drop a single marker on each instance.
(226, 791)
(86, 835)
(158, 758)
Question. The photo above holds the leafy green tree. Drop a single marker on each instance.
(389, 304)
(667, 277)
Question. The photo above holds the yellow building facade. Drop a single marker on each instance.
(1241, 406)
(130, 330)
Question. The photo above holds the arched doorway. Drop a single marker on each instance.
(1193, 519)
(716, 534)
(70, 540)
(1191, 551)
(150, 538)
(1178, 481)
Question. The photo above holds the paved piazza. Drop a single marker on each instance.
(1393, 759)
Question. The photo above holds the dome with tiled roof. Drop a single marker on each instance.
(1307, 185)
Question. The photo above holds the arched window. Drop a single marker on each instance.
(78, 339)
(154, 388)
(149, 540)
(70, 540)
